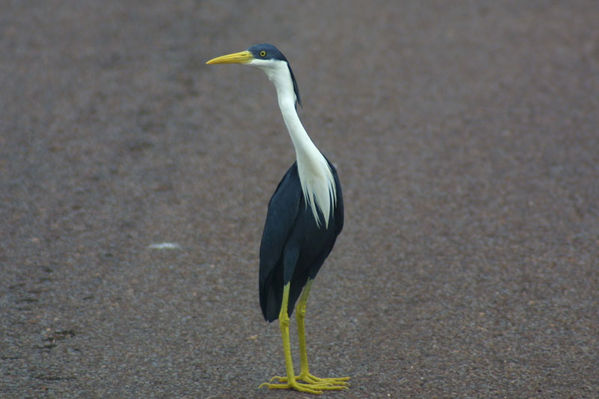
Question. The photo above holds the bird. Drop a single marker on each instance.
(303, 220)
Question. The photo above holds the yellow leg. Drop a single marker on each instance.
(290, 382)
(304, 375)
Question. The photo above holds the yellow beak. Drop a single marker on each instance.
(243, 57)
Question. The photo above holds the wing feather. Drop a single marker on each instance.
(283, 209)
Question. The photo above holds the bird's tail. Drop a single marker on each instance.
(271, 295)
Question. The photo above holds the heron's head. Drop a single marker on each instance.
(266, 57)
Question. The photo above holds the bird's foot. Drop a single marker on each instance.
(311, 383)
(298, 386)
(312, 379)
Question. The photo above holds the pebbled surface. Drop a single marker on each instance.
(466, 138)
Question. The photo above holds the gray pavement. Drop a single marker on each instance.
(466, 135)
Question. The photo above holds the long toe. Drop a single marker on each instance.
(313, 380)
(309, 383)
(307, 388)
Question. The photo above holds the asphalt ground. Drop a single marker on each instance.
(466, 136)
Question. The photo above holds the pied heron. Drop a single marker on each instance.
(304, 218)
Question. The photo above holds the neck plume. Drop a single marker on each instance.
(318, 184)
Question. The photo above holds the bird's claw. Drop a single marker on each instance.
(309, 384)
(313, 388)
(312, 379)
(295, 385)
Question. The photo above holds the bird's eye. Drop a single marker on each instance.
(262, 53)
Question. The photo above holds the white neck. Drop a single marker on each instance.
(316, 178)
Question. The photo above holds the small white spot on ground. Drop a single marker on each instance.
(164, 245)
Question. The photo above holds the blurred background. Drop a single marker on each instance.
(466, 139)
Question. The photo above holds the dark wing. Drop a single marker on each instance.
(283, 209)
(339, 209)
